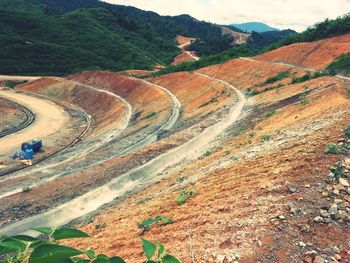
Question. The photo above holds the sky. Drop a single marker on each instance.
(283, 14)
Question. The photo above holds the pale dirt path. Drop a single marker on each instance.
(18, 78)
(137, 179)
(103, 140)
(49, 118)
(291, 66)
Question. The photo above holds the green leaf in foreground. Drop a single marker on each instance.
(52, 253)
(65, 233)
(148, 248)
(44, 230)
(170, 259)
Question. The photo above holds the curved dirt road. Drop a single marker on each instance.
(79, 153)
(49, 118)
(129, 182)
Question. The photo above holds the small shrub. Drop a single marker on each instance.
(265, 138)
(347, 132)
(150, 115)
(12, 84)
(338, 170)
(100, 226)
(270, 113)
(304, 100)
(332, 149)
(206, 154)
(212, 100)
(147, 223)
(184, 195)
(181, 179)
(26, 189)
(251, 135)
(348, 93)
(279, 76)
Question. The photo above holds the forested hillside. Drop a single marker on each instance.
(51, 37)
(322, 30)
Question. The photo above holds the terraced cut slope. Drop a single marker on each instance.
(264, 161)
(10, 115)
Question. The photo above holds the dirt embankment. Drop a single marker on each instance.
(315, 55)
(185, 56)
(10, 116)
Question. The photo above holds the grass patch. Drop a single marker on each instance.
(265, 138)
(185, 195)
(147, 223)
(278, 77)
(150, 115)
(332, 149)
(212, 100)
(270, 113)
(12, 84)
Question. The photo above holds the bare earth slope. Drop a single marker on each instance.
(264, 183)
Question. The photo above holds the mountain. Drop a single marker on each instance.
(261, 40)
(58, 37)
(254, 26)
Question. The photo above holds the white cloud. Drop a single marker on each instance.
(295, 14)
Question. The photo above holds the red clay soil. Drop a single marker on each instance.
(315, 55)
(10, 117)
(240, 201)
(259, 189)
(145, 99)
(248, 74)
(102, 107)
(183, 40)
(198, 95)
(183, 57)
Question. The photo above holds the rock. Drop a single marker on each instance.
(293, 190)
(321, 185)
(338, 257)
(307, 186)
(301, 244)
(318, 219)
(324, 194)
(344, 182)
(336, 250)
(338, 201)
(335, 191)
(221, 258)
(319, 259)
(333, 211)
(324, 213)
(281, 217)
(295, 210)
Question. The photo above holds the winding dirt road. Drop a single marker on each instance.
(49, 119)
(132, 181)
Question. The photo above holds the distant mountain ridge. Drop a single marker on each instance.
(255, 26)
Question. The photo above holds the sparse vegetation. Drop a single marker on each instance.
(347, 132)
(150, 115)
(338, 170)
(278, 77)
(27, 249)
(12, 84)
(340, 65)
(332, 149)
(147, 223)
(265, 138)
(270, 113)
(206, 154)
(26, 189)
(322, 30)
(212, 100)
(184, 195)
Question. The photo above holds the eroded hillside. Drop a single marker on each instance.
(249, 160)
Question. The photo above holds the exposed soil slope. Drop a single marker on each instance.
(315, 55)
